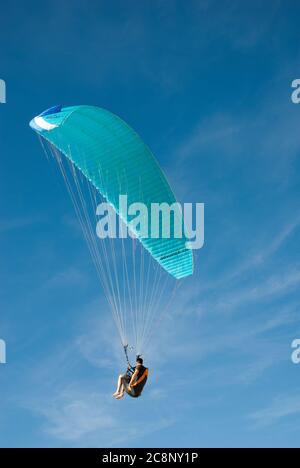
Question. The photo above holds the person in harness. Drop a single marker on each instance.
(133, 381)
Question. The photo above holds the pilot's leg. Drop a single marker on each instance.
(120, 387)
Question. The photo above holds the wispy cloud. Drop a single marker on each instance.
(69, 277)
(269, 288)
(280, 407)
(13, 224)
(74, 416)
(91, 418)
(218, 131)
(259, 256)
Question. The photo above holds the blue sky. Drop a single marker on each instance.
(207, 84)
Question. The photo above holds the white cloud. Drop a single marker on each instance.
(70, 277)
(72, 417)
(18, 223)
(219, 131)
(279, 408)
(81, 417)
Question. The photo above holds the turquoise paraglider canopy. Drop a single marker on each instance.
(115, 161)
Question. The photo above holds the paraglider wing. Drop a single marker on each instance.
(116, 161)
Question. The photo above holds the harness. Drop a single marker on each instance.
(130, 370)
(141, 378)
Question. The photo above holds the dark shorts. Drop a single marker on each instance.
(126, 379)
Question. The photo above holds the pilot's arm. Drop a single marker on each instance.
(134, 376)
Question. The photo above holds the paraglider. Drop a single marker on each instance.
(133, 381)
(99, 155)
